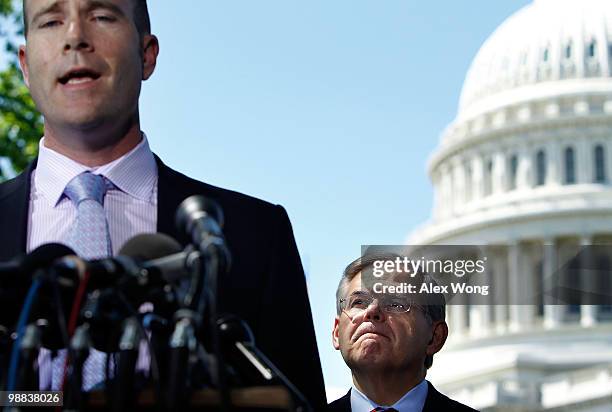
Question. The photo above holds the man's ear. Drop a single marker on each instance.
(150, 51)
(438, 338)
(335, 331)
(23, 63)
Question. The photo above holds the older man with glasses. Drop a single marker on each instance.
(388, 341)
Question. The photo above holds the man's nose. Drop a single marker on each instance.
(374, 312)
(76, 37)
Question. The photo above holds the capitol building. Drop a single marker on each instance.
(525, 170)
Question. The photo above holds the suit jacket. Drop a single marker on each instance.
(435, 402)
(265, 287)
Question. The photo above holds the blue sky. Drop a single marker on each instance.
(330, 108)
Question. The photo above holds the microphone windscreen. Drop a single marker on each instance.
(149, 246)
(195, 207)
(13, 288)
(44, 255)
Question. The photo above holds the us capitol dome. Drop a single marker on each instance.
(525, 169)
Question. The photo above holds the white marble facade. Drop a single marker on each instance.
(527, 162)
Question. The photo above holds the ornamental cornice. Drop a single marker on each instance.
(528, 209)
(590, 124)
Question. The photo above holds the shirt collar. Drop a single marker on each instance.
(134, 173)
(412, 401)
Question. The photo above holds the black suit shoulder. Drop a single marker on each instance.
(243, 213)
(342, 404)
(13, 185)
(221, 194)
(437, 401)
(14, 201)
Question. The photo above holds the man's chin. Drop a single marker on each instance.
(84, 124)
(89, 121)
(372, 349)
(370, 361)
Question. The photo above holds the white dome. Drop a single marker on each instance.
(539, 86)
(546, 41)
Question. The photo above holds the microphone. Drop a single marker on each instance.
(137, 281)
(201, 219)
(15, 272)
(16, 277)
(149, 246)
(160, 254)
(130, 270)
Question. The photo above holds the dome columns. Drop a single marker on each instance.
(520, 276)
(523, 274)
(499, 173)
(553, 314)
(524, 175)
(585, 160)
(554, 164)
(588, 313)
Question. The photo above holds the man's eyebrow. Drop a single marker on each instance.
(107, 5)
(56, 6)
(52, 8)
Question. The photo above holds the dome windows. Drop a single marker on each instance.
(468, 182)
(592, 64)
(592, 49)
(568, 51)
(544, 69)
(569, 160)
(512, 172)
(610, 55)
(567, 63)
(600, 164)
(488, 178)
(481, 178)
(540, 168)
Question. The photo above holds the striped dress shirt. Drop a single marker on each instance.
(130, 209)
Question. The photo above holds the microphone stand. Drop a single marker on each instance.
(253, 364)
(183, 341)
(128, 355)
(183, 344)
(30, 346)
(216, 256)
(5, 349)
(79, 345)
(202, 219)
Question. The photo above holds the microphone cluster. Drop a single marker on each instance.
(155, 291)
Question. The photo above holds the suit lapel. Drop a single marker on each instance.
(432, 402)
(171, 191)
(166, 198)
(14, 204)
(342, 404)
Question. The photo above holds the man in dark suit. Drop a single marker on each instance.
(388, 340)
(84, 62)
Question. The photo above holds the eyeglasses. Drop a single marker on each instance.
(358, 302)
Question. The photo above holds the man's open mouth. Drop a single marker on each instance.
(79, 76)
